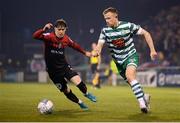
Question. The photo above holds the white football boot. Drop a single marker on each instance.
(145, 109)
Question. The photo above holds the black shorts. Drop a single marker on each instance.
(94, 68)
(60, 77)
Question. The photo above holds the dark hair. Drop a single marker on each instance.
(60, 23)
(110, 9)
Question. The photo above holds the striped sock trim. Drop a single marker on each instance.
(137, 89)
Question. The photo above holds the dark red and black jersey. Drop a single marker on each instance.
(54, 49)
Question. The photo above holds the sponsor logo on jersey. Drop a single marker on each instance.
(57, 52)
(118, 42)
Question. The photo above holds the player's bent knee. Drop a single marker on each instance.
(65, 90)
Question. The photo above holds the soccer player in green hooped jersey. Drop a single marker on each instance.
(118, 36)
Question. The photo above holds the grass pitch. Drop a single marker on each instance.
(18, 102)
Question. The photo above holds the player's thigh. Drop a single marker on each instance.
(131, 64)
(60, 82)
(132, 61)
(122, 71)
(72, 75)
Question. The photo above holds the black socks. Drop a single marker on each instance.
(72, 97)
(82, 87)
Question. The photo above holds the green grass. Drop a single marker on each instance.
(18, 102)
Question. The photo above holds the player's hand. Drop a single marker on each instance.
(88, 54)
(153, 55)
(48, 26)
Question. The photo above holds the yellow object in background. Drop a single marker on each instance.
(113, 67)
(94, 60)
(95, 80)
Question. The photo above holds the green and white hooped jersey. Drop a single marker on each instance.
(119, 40)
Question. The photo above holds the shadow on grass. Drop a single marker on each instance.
(141, 117)
(71, 114)
(63, 115)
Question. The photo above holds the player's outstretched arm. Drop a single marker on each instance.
(88, 54)
(39, 33)
(78, 48)
(149, 41)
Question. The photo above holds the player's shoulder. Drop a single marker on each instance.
(130, 23)
(67, 38)
(125, 23)
(105, 28)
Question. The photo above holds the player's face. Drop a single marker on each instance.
(94, 46)
(60, 31)
(111, 19)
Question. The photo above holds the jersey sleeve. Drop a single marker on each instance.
(134, 28)
(75, 46)
(41, 35)
(102, 37)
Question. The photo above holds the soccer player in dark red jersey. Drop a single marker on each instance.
(57, 67)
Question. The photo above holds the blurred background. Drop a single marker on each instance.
(20, 53)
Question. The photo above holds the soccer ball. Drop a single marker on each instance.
(45, 106)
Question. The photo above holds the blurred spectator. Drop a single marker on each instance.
(114, 72)
(160, 62)
(165, 29)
